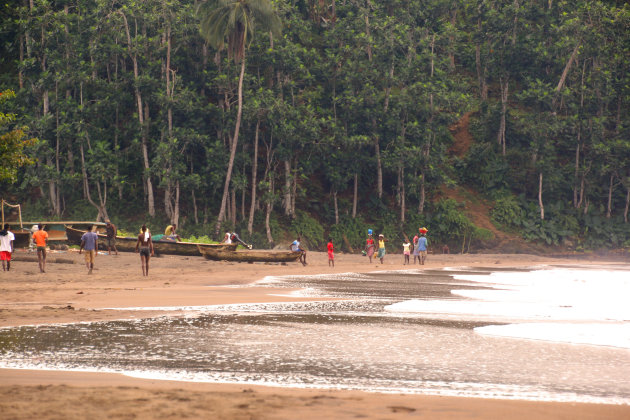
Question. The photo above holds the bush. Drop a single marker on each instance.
(507, 212)
(309, 229)
(355, 230)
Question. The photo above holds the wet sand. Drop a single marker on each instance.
(65, 293)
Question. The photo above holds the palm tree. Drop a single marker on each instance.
(234, 21)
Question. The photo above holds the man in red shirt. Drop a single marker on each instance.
(331, 255)
(41, 238)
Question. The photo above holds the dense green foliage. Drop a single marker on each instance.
(344, 122)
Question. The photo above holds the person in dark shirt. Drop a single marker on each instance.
(111, 230)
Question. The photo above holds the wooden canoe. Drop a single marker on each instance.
(249, 255)
(128, 244)
(56, 229)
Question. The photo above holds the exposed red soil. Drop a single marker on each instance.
(461, 133)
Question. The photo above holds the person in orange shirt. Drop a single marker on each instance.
(41, 238)
(331, 253)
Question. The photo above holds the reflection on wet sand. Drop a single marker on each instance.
(351, 343)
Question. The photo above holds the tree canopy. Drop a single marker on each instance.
(358, 113)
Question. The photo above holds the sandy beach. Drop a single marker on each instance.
(65, 293)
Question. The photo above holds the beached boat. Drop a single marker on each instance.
(249, 255)
(128, 244)
(56, 231)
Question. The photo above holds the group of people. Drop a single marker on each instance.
(144, 246)
(418, 248)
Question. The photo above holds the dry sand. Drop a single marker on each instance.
(65, 293)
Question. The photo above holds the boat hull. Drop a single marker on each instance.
(128, 244)
(249, 255)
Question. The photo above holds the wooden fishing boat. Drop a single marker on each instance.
(22, 239)
(249, 255)
(56, 231)
(128, 244)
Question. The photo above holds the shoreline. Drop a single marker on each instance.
(66, 294)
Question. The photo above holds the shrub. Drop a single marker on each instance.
(311, 231)
(507, 211)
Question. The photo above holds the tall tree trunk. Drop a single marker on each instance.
(175, 218)
(336, 205)
(268, 212)
(422, 193)
(565, 72)
(576, 171)
(233, 211)
(286, 201)
(625, 212)
(194, 203)
(141, 119)
(102, 211)
(294, 186)
(403, 208)
(355, 195)
(228, 175)
(505, 84)
(481, 74)
(610, 191)
(252, 207)
(540, 202)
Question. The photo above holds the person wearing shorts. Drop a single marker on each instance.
(145, 247)
(89, 242)
(6, 247)
(40, 237)
(111, 230)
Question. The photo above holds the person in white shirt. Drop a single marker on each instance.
(295, 247)
(6, 247)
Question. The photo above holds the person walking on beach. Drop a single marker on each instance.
(381, 247)
(369, 245)
(89, 242)
(295, 247)
(6, 246)
(145, 246)
(111, 230)
(422, 248)
(331, 253)
(406, 251)
(40, 237)
(416, 251)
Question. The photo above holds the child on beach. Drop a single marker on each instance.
(331, 255)
(416, 250)
(381, 247)
(406, 251)
(6, 247)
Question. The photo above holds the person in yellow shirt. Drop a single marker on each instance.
(381, 247)
(40, 237)
(171, 234)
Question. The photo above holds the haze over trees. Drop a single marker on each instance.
(166, 111)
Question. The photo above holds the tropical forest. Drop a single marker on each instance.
(497, 125)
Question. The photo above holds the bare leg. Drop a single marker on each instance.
(41, 259)
(143, 260)
(147, 269)
(3, 266)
